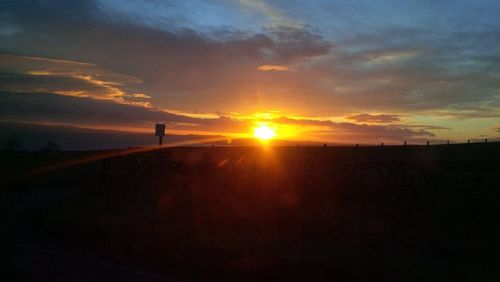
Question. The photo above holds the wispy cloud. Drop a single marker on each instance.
(57, 75)
(274, 15)
(272, 68)
(381, 118)
(140, 95)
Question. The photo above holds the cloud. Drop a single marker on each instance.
(274, 15)
(272, 68)
(56, 109)
(374, 118)
(48, 108)
(184, 70)
(480, 111)
(29, 74)
(349, 132)
(389, 56)
(50, 84)
(140, 95)
(346, 64)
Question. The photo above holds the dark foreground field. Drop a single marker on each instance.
(252, 214)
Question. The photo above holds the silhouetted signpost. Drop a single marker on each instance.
(160, 132)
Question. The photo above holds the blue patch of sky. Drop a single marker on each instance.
(199, 15)
(337, 21)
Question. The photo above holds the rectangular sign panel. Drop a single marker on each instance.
(160, 129)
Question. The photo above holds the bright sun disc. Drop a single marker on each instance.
(264, 132)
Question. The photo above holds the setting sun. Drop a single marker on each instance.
(264, 132)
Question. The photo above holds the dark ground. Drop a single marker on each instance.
(253, 214)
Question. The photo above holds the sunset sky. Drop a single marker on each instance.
(332, 71)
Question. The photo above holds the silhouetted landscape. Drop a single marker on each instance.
(249, 140)
(371, 213)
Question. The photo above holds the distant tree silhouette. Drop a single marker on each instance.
(51, 146)
(11, 145)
